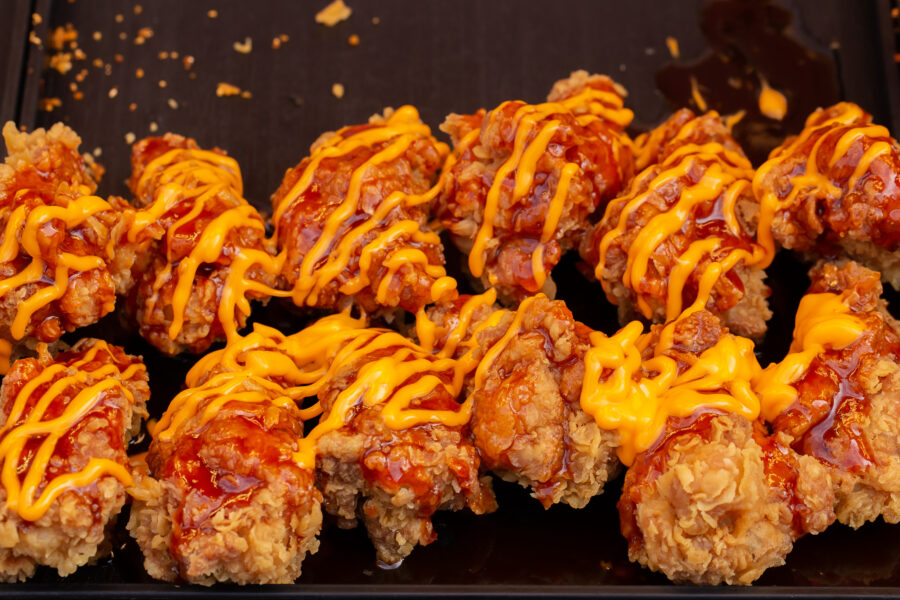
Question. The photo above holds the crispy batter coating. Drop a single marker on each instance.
(224, 499)
(396, 479)
(832, 190)
(847, 413)
(186, 200)
(72, 531)
(691, 208)
(55, 272)
(523, 180)
(527, 422)
(717, 499)
(352, 217)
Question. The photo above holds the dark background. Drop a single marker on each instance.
(444, 57)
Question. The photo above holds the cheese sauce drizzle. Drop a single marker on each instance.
(846, 127)
(726, 175)
(534, 133)
(22, 237)
(342, 235)
(22, 484)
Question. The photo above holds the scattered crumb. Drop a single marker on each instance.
(334, 13)
(173, 103)
(81, 75)
(132, 107)
(353, 40)
(163, 55)
(226, 89)
(73, 87)
(281, 39)
(153, 127)
(192, 75)
(138, 9)
(338, 90)
(118, 58)
(119, 18)
(107, 69)
(672, 44)
(124, 36)
(97, 62)
(78, 95)
(735, 82)
(97, 36)
(376, 20)
(162, 83)
(61, 62)
(143, 34)
(276, 43)
(188, 62)
(139, 73)
(649, 51)
(699, 100)
(97, 152)
(895, 12)
(212, 13)
(36, 19)
(79, 54)
(59, 36)
(622, 67)
(113, 92)
(244, 48)
(48, 104)
(173, 54)
(129, 138)
(34, 39)
(246, 94)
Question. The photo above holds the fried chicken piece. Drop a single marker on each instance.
(396, 473)
(523, 180)
(196, 251)
(846, 411)
(684, 230)
(65, 424)
(832, 191)
(352, 218)
(224, 498)
(55, 258)
(716, 499)
(527, 423)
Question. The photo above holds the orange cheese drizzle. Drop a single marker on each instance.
(534, 132)
(810, 180)
(726, 175)
(19, 429)
(20, 235)
(329, 256)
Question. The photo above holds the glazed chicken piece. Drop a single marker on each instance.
(527, 423)
(195, 253)
(223, 496)
(709, 496)
(832, 191)
(57, 264)
(351, 218)
(684, 230)
(65, 425)
(840, 390)
(524, 179)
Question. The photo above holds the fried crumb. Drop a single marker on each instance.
(244, 48)
(107, 69)
(48, 104)
(143, 34)
(36, 19)
(132, 107)
(97, 152)
(173, 54)
(139, 73)
(34, 39)
(61, 35)
(173, 103)
(78, 95)
(97, 36)
(73, 87)
(119, 58)
(338, 90)
(212, 13)
(672, 44)
(188, 62)
(79, 54)
(129, 138)
(113, 92)
(124, 36)
(192, 75)
(353, 40)
(162, 83)
(153, 127)
(246, 94)
(61, 62)
(163, 55)
(138, 9)
(334, 13)
(226, 89)
(97, 62)
(376, 20)
(81, 75)
(276, 43)
(119, 18)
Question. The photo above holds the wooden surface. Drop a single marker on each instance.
(444, 57)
